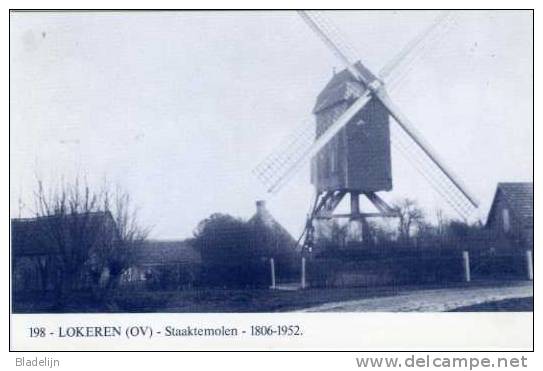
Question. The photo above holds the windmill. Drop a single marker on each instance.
(349, 144)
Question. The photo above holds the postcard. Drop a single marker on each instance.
(271, 180)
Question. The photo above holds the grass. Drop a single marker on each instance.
(214, 300)
(506, 305)
(243, 300)
(204, 300)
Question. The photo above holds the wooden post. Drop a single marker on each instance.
(272, 268)
(355, 203)
(530, 264)
(467, 273)
(303, 273)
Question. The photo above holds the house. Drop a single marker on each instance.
(41, 246)
(511, 215)
(163, 264)
(267, 234)
(269, 239)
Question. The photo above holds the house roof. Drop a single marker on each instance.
(343, 86)
(263, 219)
(520, 199)
(155, 252)
(36, 236)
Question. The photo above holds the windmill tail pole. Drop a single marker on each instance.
(425, 146)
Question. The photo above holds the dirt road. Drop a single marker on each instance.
(434, 300)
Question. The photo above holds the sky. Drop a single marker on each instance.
(177, 108)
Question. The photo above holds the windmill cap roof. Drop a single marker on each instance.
(343, 86)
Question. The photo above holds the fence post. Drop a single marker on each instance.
(530, 264)
(467, 273)
(303, 273)
(272, 270)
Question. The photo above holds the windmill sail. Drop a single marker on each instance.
(426, 168)
(425, 147)
(296, 150)
(449, 184)
(398, 67)
(279, 165)
(278, 168)
(299, 147)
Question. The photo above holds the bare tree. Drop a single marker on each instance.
(67, 229)
(410, 216)
(87, 237)
(117, 255)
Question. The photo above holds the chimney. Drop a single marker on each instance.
(260, 207)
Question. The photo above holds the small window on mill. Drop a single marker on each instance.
(506, 220)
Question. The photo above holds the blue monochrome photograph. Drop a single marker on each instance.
(271, 161)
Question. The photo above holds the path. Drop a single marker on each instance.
(430, 300)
